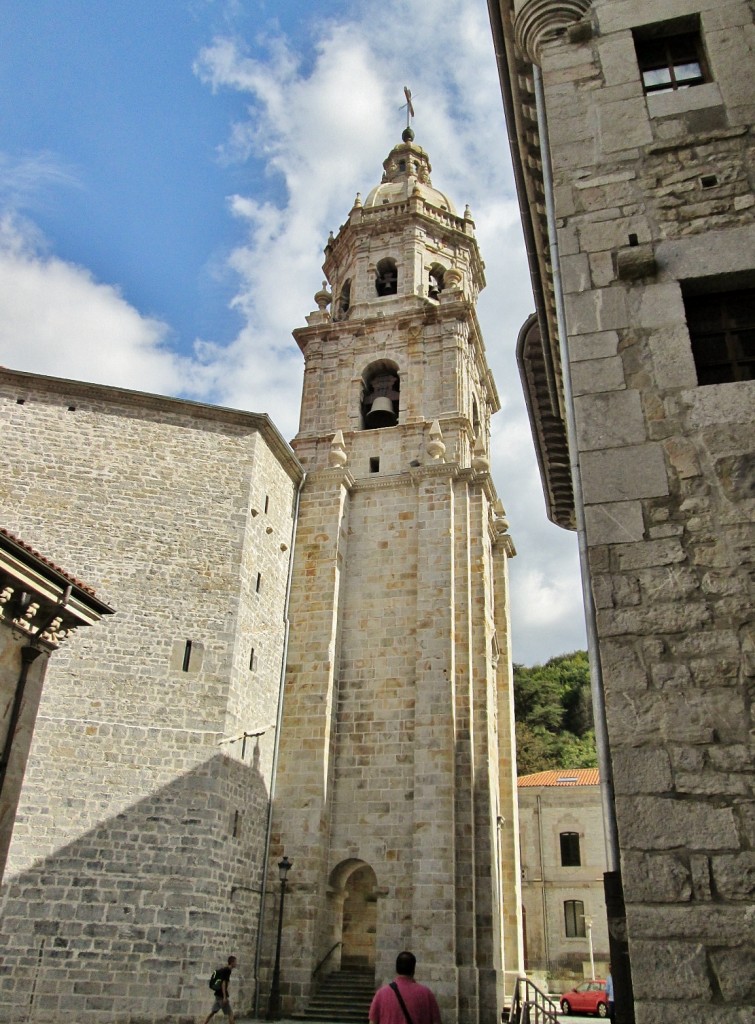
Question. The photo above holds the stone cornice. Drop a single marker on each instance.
(39, 602)
(538, 21)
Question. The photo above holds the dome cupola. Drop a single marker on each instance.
(406, 172)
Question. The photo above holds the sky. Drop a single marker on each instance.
(170, 171)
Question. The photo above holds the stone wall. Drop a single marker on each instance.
(654, 200)
(137, 859)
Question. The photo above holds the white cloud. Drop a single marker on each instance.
(58, 320)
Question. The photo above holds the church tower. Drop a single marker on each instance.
(395, 791)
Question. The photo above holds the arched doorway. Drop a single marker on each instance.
(356, 882)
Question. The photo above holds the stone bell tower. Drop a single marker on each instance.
(395, 793)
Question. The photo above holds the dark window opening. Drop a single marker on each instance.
(374, 465)
(267, 503)
(570, 857)
(574, 919)
(722, 332)
(252, 661)
(235, 826)
(380, 399)
(344, 301)
(436, 281)
(72, 408)
(386, 277)
(670, 58)
(20, 401)
(258, 585)
(187, 657)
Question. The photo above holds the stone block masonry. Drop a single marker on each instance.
(667, 182)
(136, 864)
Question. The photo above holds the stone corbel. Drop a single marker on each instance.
(635, 262)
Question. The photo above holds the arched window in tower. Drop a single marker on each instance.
(386, 277)
(436, 280)
(380, 396)
(475, 418)
(344, 300)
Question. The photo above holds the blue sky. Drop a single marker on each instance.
(169, 173)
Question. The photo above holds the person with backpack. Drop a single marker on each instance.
(404, 1001)
(219, 982)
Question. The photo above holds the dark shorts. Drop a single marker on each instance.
(220, 1005)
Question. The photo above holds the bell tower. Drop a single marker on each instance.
(395, 796)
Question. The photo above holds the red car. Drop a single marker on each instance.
(589, 997)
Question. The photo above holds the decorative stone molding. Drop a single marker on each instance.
(480, 460)
(539, 21)
(337, 456)
(436, 449)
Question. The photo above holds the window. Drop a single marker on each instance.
(386, 277)
(722, 331)
(436, 280)
(570, 850)
(380, 396)
(670, 58)
(344, 301)
(574, 919)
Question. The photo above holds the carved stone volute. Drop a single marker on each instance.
(538, 21)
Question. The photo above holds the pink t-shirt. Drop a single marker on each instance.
(420, 1002)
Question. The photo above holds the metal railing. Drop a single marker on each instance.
(531, 1006)
(332, 949)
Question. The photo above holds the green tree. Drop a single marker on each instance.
(553, 708)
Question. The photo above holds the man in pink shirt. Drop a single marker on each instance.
(404, 1001)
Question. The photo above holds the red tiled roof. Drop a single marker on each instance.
(50, 564)
(563, 777)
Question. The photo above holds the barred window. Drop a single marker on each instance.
(722, 332)
(670, 59)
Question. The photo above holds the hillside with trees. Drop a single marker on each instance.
(553, 707)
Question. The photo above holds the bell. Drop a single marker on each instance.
(381, 413)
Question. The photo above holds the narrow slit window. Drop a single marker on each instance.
(187, 656)
(267, 503)
(252, 660)
(374, 465)
(258, 585)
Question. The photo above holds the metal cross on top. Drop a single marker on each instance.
(409, 106)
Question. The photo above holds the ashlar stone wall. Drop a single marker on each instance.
(654, 200)
(137, 857)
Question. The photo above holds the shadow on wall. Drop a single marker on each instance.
(126, 923)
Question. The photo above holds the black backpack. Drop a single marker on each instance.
(215, 982)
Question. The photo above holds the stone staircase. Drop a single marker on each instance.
(343, 998)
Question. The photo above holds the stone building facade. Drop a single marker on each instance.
(137, 858)
(633, 147)
(395, 796)
(563, 862)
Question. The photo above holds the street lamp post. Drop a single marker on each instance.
(274, 1003)
(588, 926)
